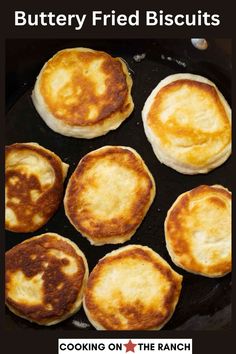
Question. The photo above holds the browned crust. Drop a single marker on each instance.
(138, 316)
(113, 100)
(175, 231)
(166, 131)
(46, 204)
(117, 226)
(62, 301)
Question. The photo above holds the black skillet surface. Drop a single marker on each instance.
(204, 303)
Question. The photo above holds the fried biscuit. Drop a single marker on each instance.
(188, 123)
(45, 279)
(83, 93)
(198, 231)
(109, 194)
(131, 288)
(33, 187)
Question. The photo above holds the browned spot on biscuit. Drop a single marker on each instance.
(217, 202)
(78, 209)
(186, 218)
(138, 315)
(184, 126)
(79, 101)
(60, 290)
(21, 185)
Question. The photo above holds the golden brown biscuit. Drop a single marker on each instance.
(132, 288)
(109, 194)
(34, 186)
(188, 123)
(83, 93)
(45, 279)
(198, 231)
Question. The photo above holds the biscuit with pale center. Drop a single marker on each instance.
(198, 231)
(83, 93)
(34, 179)
(188, 123)
(45, 279)
(132, 288)
(109, 194)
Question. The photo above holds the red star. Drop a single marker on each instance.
(130, 346)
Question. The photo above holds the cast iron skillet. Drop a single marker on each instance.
(204, 303)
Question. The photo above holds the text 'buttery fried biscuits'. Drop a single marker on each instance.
(109, 194)
(83, 93)
(198, 231)
(188, 123)
(45, 279)
(131, 288)
(34, 179)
